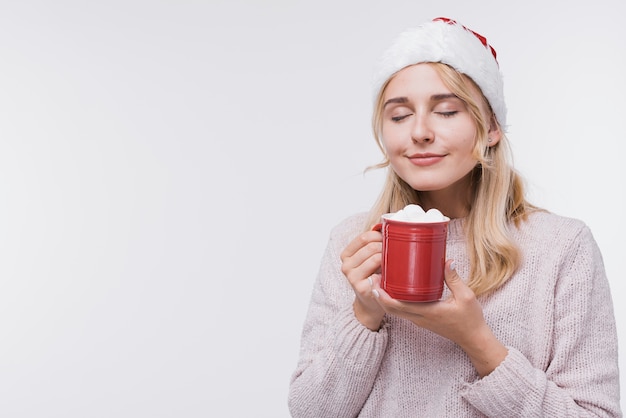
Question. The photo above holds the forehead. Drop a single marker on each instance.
(431, 79)
(416, 79)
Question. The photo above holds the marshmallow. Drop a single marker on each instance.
(415, 213)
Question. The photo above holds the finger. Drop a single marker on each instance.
(453, 280)
(362, 272)
(375, 280)
(365, 261)
(407, 310)
(359, 242)
(383, 297)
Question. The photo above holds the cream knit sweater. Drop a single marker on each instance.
(555, 315)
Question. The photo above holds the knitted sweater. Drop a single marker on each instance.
(555, 316)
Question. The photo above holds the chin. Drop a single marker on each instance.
(428, 186)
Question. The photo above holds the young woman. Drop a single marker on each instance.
(526, 324)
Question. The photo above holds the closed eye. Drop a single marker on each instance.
(448, 114)
(400, 118)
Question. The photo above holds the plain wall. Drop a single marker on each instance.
(170, 171)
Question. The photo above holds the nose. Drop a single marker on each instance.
(421, 131)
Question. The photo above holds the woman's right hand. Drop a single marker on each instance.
(360, 263)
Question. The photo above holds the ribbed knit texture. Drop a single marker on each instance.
(555, 315)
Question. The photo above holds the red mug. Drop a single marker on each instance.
(413, 259)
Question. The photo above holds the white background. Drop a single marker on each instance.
(170, 170)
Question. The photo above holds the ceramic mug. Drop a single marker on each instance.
(413, 259)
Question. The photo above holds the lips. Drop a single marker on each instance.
(425, 159)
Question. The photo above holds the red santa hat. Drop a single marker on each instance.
(446, 41)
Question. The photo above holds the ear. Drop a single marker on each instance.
(494, 133)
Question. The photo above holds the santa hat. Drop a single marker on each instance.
(446, 41)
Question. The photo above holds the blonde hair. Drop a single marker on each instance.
(497, 197)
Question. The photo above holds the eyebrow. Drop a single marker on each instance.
(396, 100)
(434, 98)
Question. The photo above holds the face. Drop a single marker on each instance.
(428, 132)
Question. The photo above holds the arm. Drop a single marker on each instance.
(339, 356)
(458, 318)
(582, 379)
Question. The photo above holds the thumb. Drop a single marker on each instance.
(452, 278)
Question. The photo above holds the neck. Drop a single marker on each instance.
(453, 201)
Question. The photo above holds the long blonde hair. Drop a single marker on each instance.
(497, 198)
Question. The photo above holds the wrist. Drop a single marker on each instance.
(486, 352)
(370, 318)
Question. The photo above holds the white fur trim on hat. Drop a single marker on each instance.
(452, 44)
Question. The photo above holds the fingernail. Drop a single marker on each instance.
(376, 294)
(369, 279)
(453, 265)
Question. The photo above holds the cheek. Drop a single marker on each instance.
(390, 146)
(391, 140)
(468, 148)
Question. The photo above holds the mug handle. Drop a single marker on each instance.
(378, 227)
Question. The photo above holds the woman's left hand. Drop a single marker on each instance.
(458, 318)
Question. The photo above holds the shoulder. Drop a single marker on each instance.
(348, 228)
(544, 224)
(546, 233)
(341, 234)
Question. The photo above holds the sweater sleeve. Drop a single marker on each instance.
(339, 357)
(582, 378)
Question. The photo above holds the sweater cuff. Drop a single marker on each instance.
(500, 392)
(354, 343)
